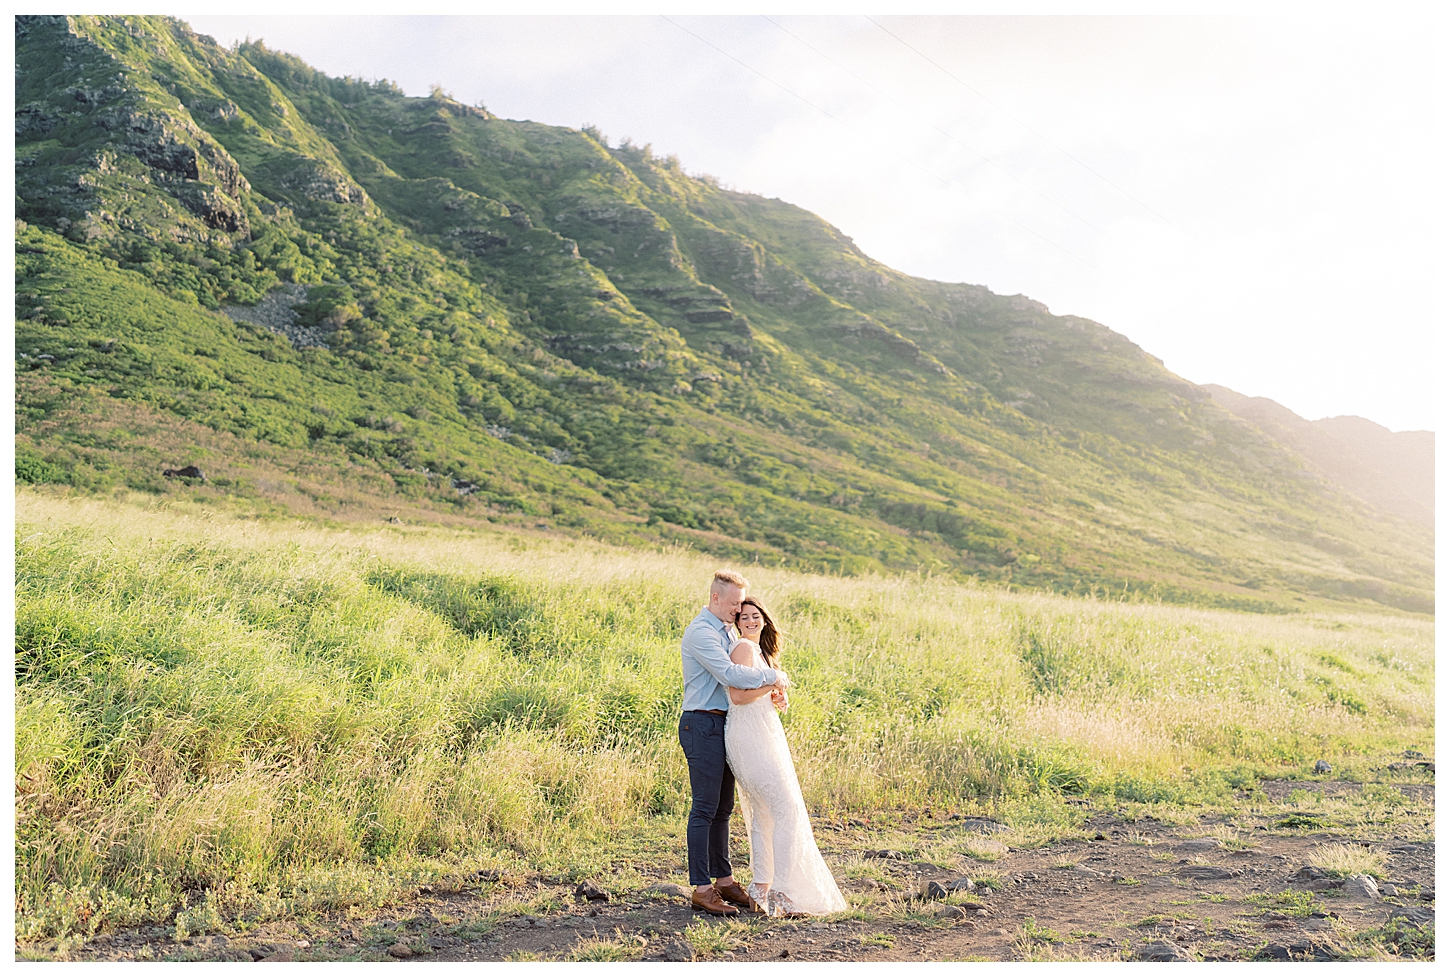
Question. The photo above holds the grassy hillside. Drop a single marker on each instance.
(513, 322)
(221, 719)
(1393, 469)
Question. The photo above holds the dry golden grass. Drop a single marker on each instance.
(1345, 860)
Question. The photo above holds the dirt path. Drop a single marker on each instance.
(1220, 889)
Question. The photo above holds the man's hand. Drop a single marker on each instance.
(779, 700)
(783, 682)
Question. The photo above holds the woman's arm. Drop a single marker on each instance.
(740, 655)
(704, 646)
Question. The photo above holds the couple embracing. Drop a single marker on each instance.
(732, 736)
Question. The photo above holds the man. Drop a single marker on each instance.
(705, 657)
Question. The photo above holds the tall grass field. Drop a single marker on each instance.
(216, 715)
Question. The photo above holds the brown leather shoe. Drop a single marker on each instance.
(733, 893)
(711, 903)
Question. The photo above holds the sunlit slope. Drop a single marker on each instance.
(520, 319)
(1394, 470)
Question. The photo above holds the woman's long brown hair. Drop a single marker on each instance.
(769, 633)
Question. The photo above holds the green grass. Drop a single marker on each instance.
(225, 719)
(1033, 933)
(1398, 939)
(715, 938)
(595, 950)
(863, 868)
(987, 879)
(473, 929)
(1291, 902)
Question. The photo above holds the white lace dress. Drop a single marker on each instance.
(783, 852)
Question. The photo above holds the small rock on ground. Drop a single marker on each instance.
(1162, 951)
(400, 950)
(962, 885)
(1419, 915)
(1361, 888)
(669, 889)
(934, 890)
(587, 891)
(1296, 951)
(1206, 873)
(1322, 766)
(679, 952)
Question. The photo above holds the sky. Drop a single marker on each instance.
(1255, 200)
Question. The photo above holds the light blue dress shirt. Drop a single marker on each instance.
(705, 657)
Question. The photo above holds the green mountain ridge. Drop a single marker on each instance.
(1394, 470)
(517, 322)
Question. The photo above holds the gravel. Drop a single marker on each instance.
(275, 312)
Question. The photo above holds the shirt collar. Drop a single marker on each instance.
(705, 612)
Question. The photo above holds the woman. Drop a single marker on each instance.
(788, 874)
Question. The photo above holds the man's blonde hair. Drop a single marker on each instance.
(728, 578)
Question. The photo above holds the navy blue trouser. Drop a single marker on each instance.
(712, 787)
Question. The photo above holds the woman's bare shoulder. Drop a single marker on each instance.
(742, 652)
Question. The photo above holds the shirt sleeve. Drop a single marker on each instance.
(702, 646)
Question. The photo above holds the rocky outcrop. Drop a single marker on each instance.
(35, 120)
(275, 312)
(174, 145)
(698, 316)
(316, 180)
(481, 241)
(852, 281)
(614, 219)
(520, 217)
(215, 209)
(114, 118)
(737, 262)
